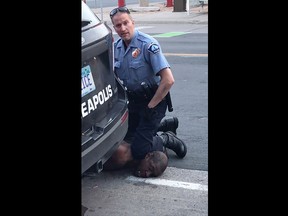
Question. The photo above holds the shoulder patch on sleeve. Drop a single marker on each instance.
(153, 48)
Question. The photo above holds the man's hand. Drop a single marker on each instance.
(150, 113)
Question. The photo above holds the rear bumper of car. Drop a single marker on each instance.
(96, 153)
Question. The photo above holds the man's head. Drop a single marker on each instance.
(123, 23)
(153, 165)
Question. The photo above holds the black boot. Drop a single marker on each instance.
(172, 142)
(169, 124)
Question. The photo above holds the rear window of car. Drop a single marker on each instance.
(88, 17)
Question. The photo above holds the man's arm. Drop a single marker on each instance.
(167, 80)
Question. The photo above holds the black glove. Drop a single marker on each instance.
(150, 113)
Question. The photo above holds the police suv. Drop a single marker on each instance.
(104, 111)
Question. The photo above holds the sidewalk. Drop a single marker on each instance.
(158, 13)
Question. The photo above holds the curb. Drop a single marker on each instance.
(144, 9)
(167, 22)
(153, 15)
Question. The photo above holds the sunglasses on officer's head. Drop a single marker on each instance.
(119, 9)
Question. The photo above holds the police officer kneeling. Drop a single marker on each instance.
(143, 69)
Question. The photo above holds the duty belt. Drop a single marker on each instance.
(137, 97)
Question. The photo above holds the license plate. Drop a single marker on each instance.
(87, 82)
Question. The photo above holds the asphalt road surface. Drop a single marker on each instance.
(182, 190)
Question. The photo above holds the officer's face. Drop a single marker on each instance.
(124, 26)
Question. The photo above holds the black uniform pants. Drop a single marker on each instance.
(142, 132)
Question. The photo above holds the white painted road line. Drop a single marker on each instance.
(169, 183)
(186, 54)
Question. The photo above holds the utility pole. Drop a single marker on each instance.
(143, 3)
(101, 10)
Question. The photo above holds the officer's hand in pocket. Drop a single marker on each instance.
(150, 113)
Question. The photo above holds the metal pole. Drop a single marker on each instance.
(101, 9)
(143, 3)
(169, 3)
(121, 3)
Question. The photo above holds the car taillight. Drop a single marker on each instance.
(124, 117)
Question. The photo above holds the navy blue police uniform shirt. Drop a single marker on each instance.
(140, 62)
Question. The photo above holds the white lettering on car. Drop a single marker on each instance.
(99, 99)
(85, 82)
